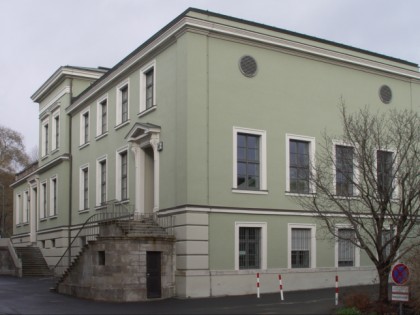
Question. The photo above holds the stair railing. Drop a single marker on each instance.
(165, 222)
(89, 231)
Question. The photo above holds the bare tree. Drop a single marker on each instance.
(12, 150)
(368, 178)
(12, 159)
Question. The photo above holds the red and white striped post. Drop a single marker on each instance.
(258, 285)
(336, 290)
(281, 288)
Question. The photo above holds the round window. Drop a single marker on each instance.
(385, 94)
(248, 66)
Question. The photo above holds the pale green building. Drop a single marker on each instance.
(211, 122)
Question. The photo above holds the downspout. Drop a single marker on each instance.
(71, 175)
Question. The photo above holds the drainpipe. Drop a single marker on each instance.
(71, 174)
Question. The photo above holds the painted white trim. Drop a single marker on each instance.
(356, 172)
(356, 249)
(25, 214)
(347, 56)
(52, 178)
(118, 103)
(55, 115)
(45, 136)
(143, 71)
(43, 197)
(82, 126)
(312, 253)
(99, 115)
(64, 91)
(311, 141)
(81, 186)
(263, 239)
(118, 173)
(262, 134)
(98, 179)
(18, 204)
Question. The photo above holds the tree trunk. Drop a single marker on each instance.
(383, 285)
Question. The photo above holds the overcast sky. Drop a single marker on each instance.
(39, 36)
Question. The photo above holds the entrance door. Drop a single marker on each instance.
(153, 275)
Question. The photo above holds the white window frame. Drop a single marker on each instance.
(118, 115)
(26, 209)
(395, 185)
(356, 172)
(55, 143)
(143, 71)
(263, 252)
(43, 198)
(312, 259)
(99, 116)
(99, 178)
(53, 212)
(45, 135)
(262, 134)
(311, 141)
(18, 205)
(82, 187)
(118, 174)
(356, 249)
(83, 140)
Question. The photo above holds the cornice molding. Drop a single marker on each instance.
(187, 23)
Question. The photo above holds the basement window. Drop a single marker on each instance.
(101, 258)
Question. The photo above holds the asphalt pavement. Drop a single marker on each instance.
(31, 295)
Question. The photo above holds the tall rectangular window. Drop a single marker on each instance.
(149, 88)
(124, 103)
(55, 132)
(18, 206)
(301, 248)
(26, 203)
(384, 173)
(53, 196)
(386, 237)
(43, 201)
(299, 166)
(346, 249)
(124, 178)
(84, 188)
(344, 173)
(249, 248)
(104, 118)
(103, 181)
(44, 139)
(248, 161)
(86, 127)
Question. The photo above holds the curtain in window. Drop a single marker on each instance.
(301, 247)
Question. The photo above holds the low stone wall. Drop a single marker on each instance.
(9, 262)
(114, 269)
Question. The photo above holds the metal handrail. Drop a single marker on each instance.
(90, 230)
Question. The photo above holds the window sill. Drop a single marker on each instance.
(55, 151)
(125, 123)
(100, 207)
(53, 217)
(146, 111)
(83, 211)
(288, 193)
(84, 145)
(99, 137)
(44, 157)
(251, 192)
(43, 220)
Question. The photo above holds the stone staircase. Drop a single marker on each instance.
(145, 227)
(33, 262)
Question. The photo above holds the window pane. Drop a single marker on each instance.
(346, 249)
(249, 248)
(384, 173)
(299, 166)
(248, 166)
(301, 247)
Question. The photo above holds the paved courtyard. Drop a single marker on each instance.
(31, 295)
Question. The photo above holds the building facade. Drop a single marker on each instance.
(211, 122)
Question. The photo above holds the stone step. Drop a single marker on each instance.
(33, 262)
